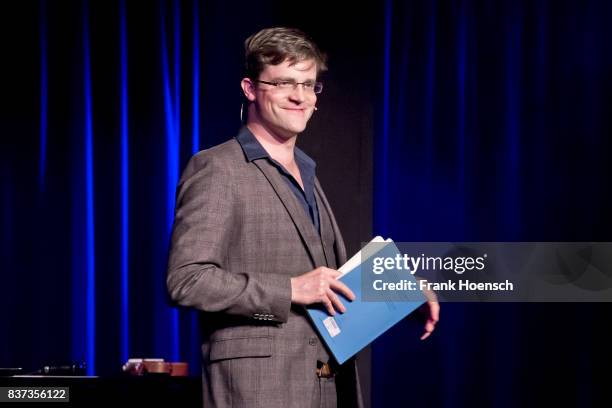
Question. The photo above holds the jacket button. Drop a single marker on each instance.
(312, 341)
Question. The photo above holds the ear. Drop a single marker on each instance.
(248, 88)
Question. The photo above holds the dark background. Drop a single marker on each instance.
(440, 121)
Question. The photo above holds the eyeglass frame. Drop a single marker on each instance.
(294, 84)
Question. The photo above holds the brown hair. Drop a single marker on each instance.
(272, 46)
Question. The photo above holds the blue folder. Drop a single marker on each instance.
(345, 334)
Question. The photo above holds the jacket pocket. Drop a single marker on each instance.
(240, 347)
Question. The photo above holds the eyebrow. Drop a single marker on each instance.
(291, 79)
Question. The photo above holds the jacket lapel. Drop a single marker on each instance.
(296, 212)
(340, 250)
(326, 230)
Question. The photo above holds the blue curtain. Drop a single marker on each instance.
(88, 186)
(494, 125)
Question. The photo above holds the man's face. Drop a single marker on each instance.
(285, 112)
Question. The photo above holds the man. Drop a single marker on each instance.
(255, 239)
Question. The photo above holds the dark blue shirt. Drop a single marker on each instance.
(253, 150)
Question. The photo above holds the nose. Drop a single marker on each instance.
(298, 94)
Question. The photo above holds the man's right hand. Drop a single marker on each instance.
(320, 286)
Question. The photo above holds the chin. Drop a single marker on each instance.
(292, 130)
(299, 128)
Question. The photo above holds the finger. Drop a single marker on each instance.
(434, 311)
(328, 306)
(429, 328)
(335, 301)
(340, 287)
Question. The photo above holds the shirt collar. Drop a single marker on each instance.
(253, 150)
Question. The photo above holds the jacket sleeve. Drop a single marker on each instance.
(205, 216)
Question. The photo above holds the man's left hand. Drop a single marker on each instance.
(432, 309)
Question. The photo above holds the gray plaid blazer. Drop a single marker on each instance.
(239, 235)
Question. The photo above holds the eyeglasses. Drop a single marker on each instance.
(286, 85)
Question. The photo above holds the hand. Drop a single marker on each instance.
(432, 309)
(320, 286)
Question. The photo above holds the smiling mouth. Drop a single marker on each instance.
(301, 111)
